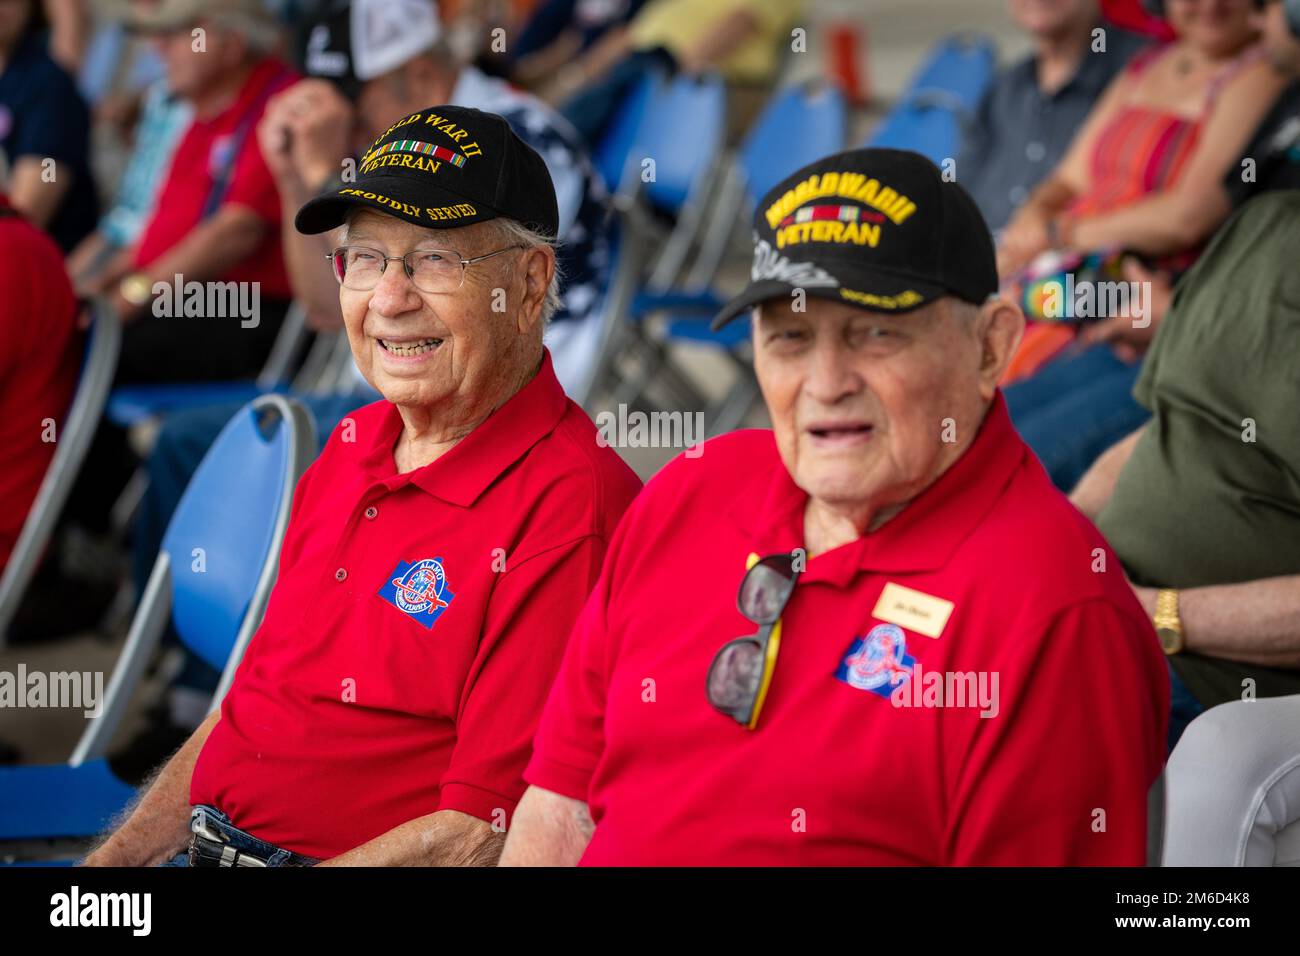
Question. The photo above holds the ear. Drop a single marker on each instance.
(537, 267)
(999, 328)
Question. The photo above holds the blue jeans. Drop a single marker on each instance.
(1074, 408)
(591, 110)
(244, 842)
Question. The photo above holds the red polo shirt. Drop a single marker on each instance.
(416, 625)
(204, 150)
(39, 351)
(998, 567)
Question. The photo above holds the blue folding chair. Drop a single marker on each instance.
(212, 580)
(801, 125)
(685, 170)
(130, 404)
(659, 180)
(931, 115)
(99, 362)
(610, 157)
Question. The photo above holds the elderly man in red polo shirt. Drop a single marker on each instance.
(875, 634)
(439, 549)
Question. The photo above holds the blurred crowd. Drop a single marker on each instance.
(160, 139)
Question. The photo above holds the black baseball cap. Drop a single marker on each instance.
(877, 228)
(442, 168)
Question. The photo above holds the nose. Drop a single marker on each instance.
(832, 376)
(395, 294)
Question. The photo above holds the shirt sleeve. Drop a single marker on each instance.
(528, 621)
(570, 736)
(1060, 775)
(54, 125)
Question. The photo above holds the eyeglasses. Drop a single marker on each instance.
(431, 270)
(742, 669)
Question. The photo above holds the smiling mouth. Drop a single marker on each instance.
(408, 349)
(833, 432)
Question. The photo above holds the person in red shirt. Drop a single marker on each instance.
(39, 350)
(438, 552)
(217, 216)
(875, 635)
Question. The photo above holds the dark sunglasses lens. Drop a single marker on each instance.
(765, 590)
(735, 676)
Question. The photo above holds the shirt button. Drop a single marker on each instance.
(1035, 152)
(371, 512)
(341, 574)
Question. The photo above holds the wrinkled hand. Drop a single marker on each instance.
(1024, 239)
(306, 132)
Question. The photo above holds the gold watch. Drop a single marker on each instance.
(1169, 626)
(136, 288)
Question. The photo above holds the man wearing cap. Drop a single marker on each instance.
(217, 213)
(439, 549)
(875, 634)
(374, 61)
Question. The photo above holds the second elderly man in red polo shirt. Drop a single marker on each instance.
(439, 549)
(876, 634)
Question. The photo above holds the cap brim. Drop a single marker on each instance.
(384, 194)
(879, 286)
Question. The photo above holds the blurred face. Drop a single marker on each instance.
(386, 99)
(1283, 45)
(859, 399)
(1216, 27)
(1048, 18)
(192, 71)
(14, 15)
(436, 350)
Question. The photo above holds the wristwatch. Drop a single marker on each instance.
(1169, 626)
(136, 288)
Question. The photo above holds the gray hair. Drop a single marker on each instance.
(509, 232)
(515, 233)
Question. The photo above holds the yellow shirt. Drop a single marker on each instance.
(678, 25)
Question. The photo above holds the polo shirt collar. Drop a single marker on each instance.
(462, 474)
(923, 536)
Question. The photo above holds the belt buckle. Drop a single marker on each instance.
(202, 830)
(199, 826)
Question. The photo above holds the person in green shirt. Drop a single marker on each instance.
(1202, 504)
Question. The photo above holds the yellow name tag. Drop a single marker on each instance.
(913, 610)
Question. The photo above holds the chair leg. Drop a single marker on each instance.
(119, 609)
(729, 413)
(146, 630)
(128, 502)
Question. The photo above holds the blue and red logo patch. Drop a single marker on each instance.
(419, 590)
(878, 662)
